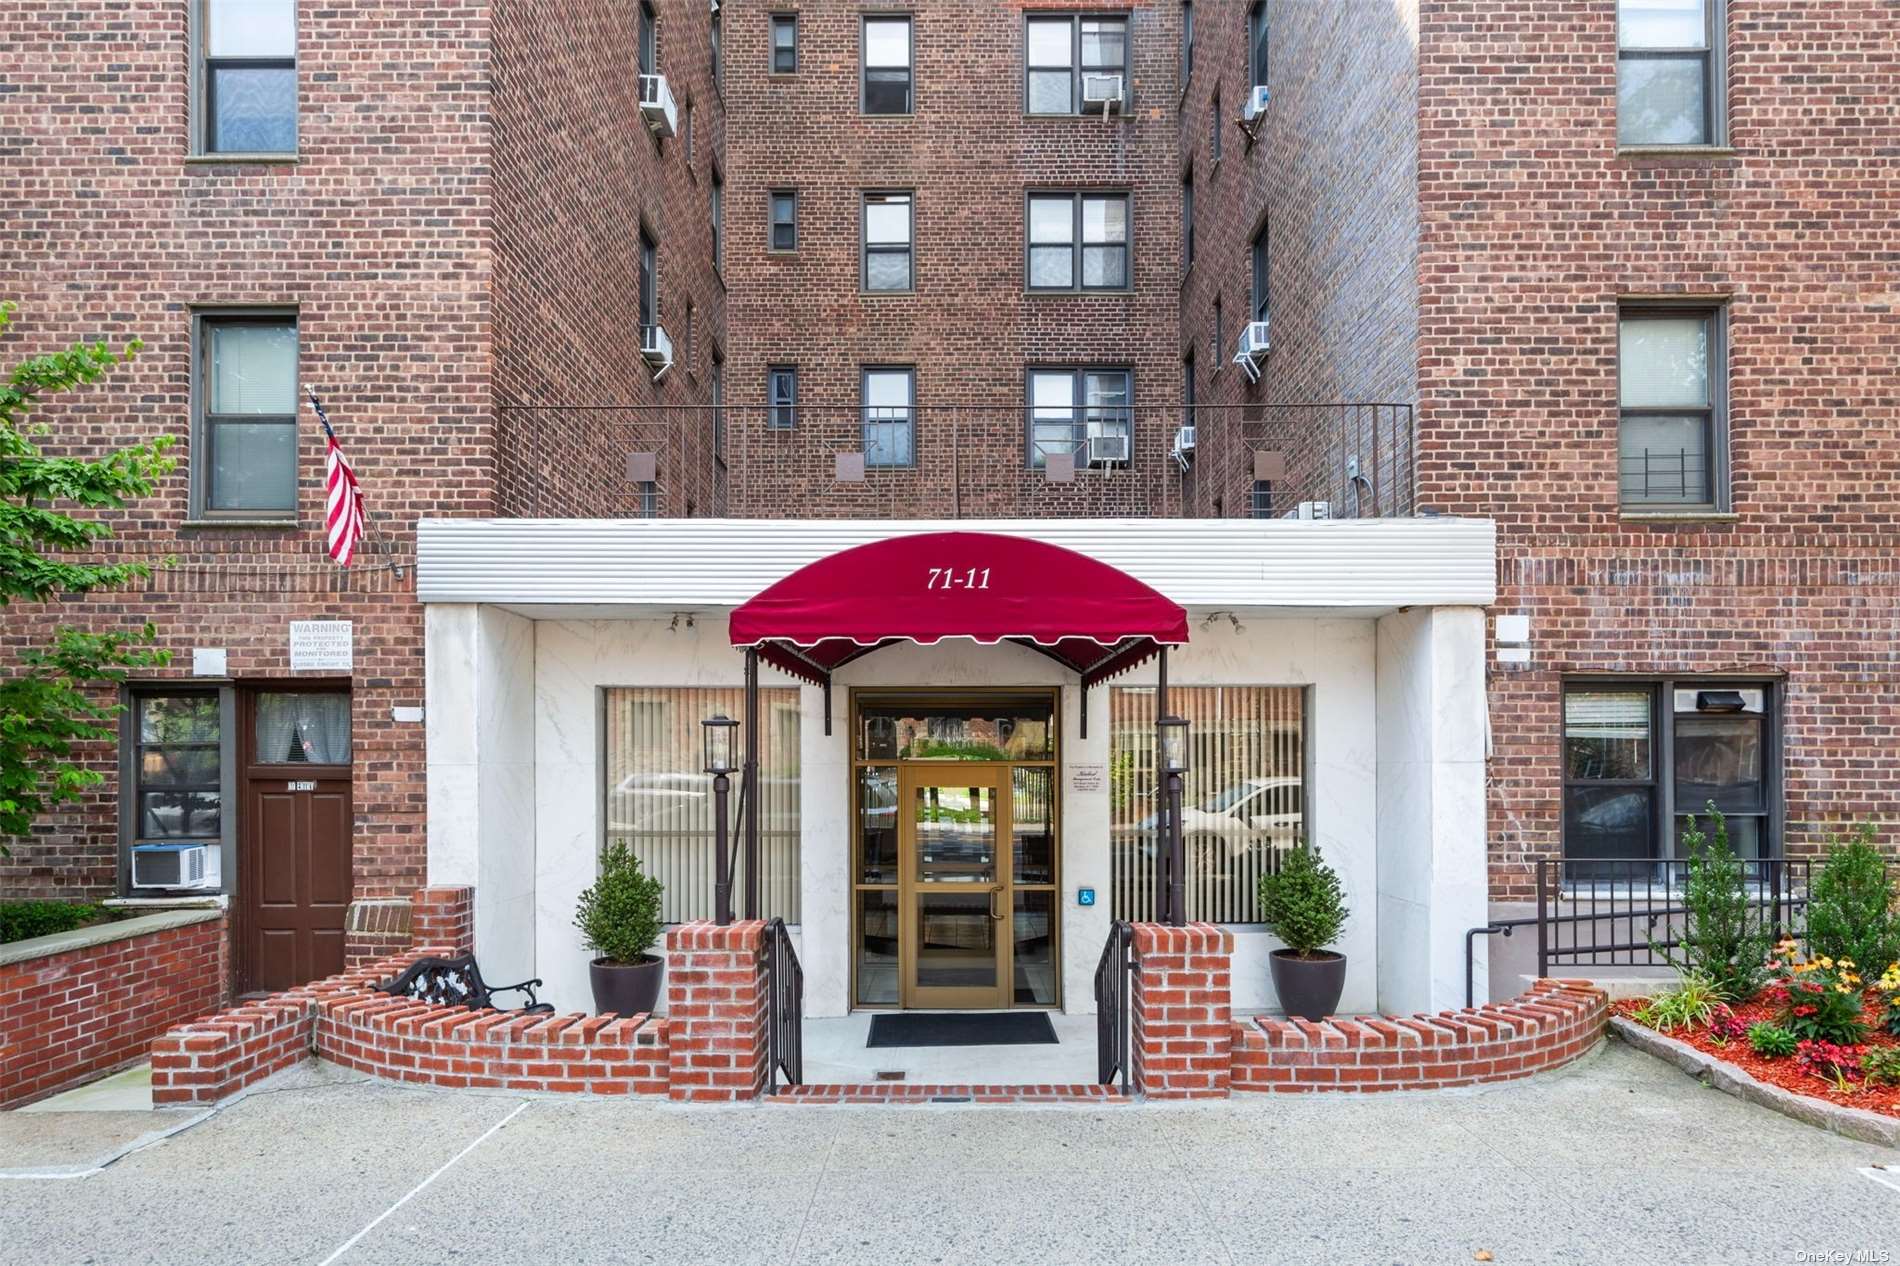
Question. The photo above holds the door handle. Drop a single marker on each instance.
(994, 893)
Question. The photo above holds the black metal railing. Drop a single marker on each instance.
(1112, 976)
(955, 461)
(1624, 912)
(785, 1008)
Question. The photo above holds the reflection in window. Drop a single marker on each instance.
(659, 799)
(1008, 729)
(249, 76)
(1242, 799)
(1664, 67)
(179, 795)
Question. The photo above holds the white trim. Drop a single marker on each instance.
(608, 566)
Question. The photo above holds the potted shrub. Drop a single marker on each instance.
(619, 919)
(1305, 907)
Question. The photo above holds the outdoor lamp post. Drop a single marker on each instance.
(1173, 733)
(721, 735)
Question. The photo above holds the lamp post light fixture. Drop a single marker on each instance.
(721, 735)
(1173, 753)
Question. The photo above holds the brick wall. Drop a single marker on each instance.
(1331, 175)
(68, 1017)
(375, 235)
(577, 175)
(716, 1009)
(970, 155)
(1532, 228)
(445, 917)
(1182, 1031)
(1550, 1025)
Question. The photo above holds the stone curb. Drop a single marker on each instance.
(1854, 1123)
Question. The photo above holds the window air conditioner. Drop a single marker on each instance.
(1184, 445)
(1102, 90)
(1252, 349)
(1108, 450)
(175, 866)
(1256, 103)
(657, 348)
(1310, 510)
(656, 103)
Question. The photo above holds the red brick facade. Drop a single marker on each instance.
(970, 155)
(453, 232)
(1532, 228)
(68, 1017)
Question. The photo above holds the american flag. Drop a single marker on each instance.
(343, 515)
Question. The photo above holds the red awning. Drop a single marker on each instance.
(1091, 617)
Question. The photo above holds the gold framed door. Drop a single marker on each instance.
(954, 886)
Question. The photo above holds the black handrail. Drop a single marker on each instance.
(1111, 1005)
(785, 1008)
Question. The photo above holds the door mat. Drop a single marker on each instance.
(962, 1028)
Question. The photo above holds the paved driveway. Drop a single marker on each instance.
(1618, 1159)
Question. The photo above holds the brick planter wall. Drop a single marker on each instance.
(1181, 1010)
(214, 1057)
(69, 1015)
(453, 1047)
(716, 997)
(1549, 1025)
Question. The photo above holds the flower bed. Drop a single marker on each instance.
(1832, 1063)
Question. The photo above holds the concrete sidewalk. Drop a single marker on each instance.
(1616, 1159)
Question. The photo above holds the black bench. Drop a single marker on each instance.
(457, 982)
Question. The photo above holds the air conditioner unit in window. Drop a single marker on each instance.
(656, 103)
(657, 348)
(1310, 510)
(1256, 103)
(1102, 90)
(175, 866)
(1252, 348)
(1108, 450)
(1184, 445)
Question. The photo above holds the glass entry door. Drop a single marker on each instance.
(954, 885)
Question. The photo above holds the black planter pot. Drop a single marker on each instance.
(626, 988)
(1308, 987)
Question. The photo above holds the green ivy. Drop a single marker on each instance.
(51, 701)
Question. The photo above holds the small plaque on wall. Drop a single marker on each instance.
(208, 661)
(321, 646)
(1084, 779)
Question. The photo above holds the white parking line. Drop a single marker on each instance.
(350, 1243)
(1881, 1174)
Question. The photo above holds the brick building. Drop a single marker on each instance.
(1636, 276)
(419, 212)
(1614, 293)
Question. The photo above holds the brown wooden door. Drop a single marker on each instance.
(294, 838)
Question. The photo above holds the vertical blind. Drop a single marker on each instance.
(659, 799)
(1243, 798)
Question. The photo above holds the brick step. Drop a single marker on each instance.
(908, 1093)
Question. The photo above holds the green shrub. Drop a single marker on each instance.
(1818, 1000)
(1880, 1065)
(21, 920)
(1725, 938)
(1303, 903)
(619, 917)
(1689, 1005)
(1771, 1040)
(1850, 904)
